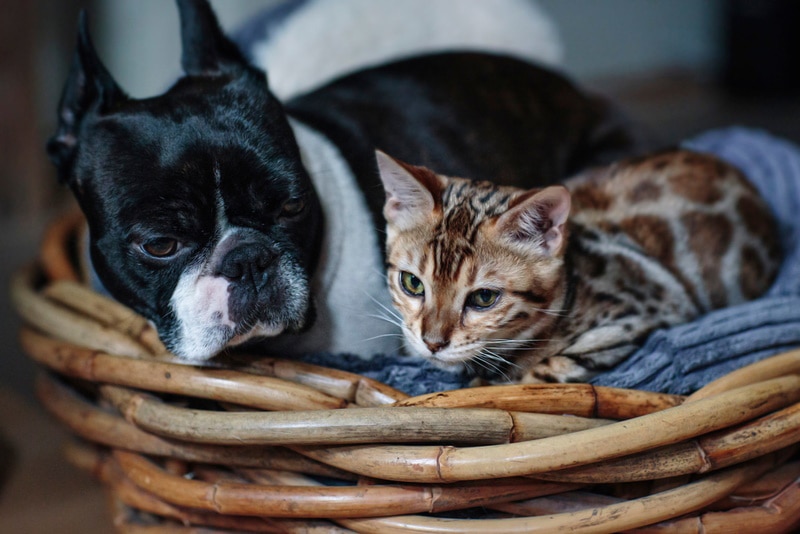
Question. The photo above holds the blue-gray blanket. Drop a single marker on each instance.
(686, 357)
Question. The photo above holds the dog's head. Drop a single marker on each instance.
(201, 215)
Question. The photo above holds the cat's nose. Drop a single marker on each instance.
(435, 345)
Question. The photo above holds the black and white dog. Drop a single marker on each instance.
(224, 215)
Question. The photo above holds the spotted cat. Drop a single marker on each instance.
(559, 284)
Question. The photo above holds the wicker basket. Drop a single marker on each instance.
(266, 445)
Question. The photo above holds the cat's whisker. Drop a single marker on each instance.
(499, 358)
(389, 319)
(379, 272)
(387, 309)
(487, 361)
(478, 359)
(536, 342)
(511, 349)
(391, 311)
(383, 336)
(491, 355)
(508, 343)
(470, 369)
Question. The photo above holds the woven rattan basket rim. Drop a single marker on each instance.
(460, 449)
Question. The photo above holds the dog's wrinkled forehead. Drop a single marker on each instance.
(171, 152)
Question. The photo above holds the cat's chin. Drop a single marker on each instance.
(447, 365)
(447, 360)
(454, 365)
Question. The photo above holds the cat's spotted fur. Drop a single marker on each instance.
(575, 278)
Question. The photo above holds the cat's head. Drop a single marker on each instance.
(475, 269)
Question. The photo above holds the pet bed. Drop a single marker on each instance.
(266, 445)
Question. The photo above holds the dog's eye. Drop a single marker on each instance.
(292, 207)
(160, 247)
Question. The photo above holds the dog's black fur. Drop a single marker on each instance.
(474, 115)
(216, 151)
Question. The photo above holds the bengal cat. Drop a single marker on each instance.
(559, 284)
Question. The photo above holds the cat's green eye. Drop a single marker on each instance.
(482, 298)
(411, 284)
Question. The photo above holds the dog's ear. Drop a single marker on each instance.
(89, 88)
(206, 50)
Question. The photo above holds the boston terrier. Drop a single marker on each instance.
(225, 216)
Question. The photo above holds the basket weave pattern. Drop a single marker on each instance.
(268, 445)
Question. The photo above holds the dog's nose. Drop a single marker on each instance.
(247, 263)
(435, 345)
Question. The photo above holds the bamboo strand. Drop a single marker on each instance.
(107, 312)
(784, 364)
(93, 424)
(543, 490)
(373, 393)
(573, 501)
(271, 477)
(664, 462)
(126, 527)
(607, 519)
(760, 437)
(447, 464)
(369, 425)
(366, 425)
(778, 515)
(530, 426)
(216, 384)
(575, 399)
(65, 324)
(723, 448)
(667, 483)
(53, 253)
(317, 502)
(349, 386)
(769, 485)
(132, 496)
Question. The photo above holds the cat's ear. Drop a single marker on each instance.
(412, 193)
(538, 219)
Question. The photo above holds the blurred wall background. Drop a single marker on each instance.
(602, 39)
(138, 41)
